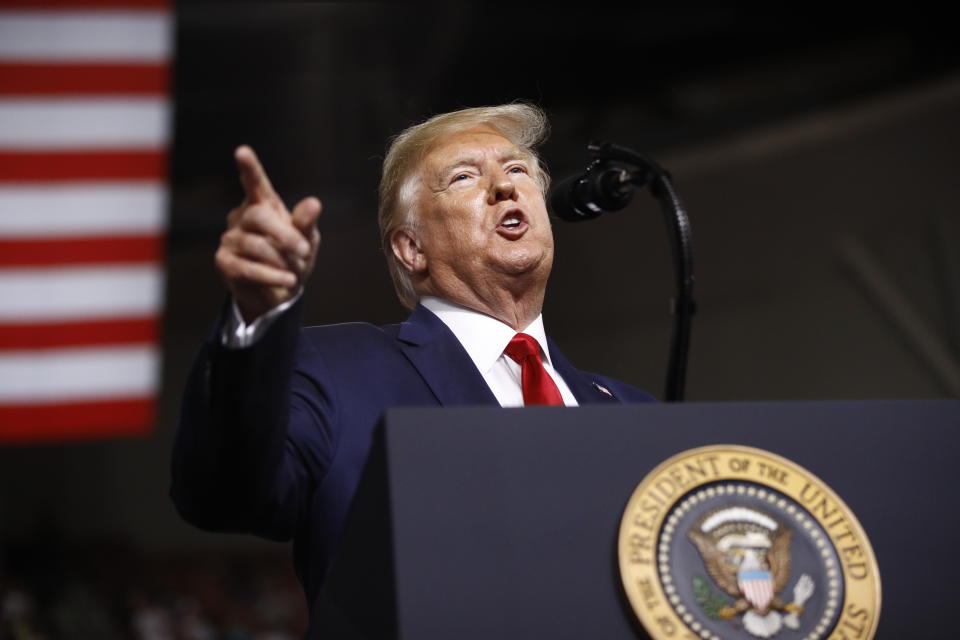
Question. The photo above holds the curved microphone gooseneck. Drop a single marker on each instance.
(607, 185)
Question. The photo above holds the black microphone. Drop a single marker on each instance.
(608, 185)
(605, 186)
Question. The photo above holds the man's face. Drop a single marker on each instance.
(481, 215)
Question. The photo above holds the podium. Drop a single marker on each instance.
(503, 523)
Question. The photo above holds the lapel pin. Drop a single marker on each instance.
(602, 389)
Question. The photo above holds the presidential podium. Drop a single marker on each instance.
(504, 523)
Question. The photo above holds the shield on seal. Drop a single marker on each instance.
(757, 587)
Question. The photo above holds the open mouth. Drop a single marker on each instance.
(513, 222)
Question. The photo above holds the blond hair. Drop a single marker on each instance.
(525, 125)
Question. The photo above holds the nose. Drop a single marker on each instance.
(502, 187)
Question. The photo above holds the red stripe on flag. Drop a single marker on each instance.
(97, 250)
(82, 79)
(82, 165)
(84, 4)
(50, 335)
(75, 420)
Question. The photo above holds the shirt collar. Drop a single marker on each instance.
(483, 337)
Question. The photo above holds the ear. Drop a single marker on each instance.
(406, 248)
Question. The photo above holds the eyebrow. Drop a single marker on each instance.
(462, 161)
(474, 161)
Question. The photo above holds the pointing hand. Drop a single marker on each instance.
(267, 251)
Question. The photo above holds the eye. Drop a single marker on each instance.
(517, 169)
(460, 177)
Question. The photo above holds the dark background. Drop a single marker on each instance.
(817, 154)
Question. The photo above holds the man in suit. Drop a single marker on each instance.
(278, 422)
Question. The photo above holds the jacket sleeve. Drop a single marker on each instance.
(251, 438)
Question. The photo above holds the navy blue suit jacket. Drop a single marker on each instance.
(273, 438)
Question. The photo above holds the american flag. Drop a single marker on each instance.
(757, 587)
(85, 123)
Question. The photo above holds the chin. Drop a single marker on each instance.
(523, 263)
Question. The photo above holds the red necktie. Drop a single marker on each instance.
(538, 386)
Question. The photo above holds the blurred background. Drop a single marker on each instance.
(817, 155)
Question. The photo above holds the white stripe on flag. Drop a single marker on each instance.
(86, 36)
(74, 123)
(64, 375)
(64, 294)
(78, 209)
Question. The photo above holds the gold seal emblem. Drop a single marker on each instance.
(729, 541)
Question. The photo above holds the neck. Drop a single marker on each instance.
(516, 306)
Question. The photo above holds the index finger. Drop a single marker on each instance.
(256, 184)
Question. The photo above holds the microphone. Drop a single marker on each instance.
(608, 185)
(605, 186)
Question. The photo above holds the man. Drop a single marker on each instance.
(277, 422)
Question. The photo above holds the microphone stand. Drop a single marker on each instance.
(616, 194)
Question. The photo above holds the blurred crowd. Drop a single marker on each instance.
(109, 590)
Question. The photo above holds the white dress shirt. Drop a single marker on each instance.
(237, 334)
(484, 338)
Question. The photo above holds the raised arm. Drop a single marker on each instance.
(234, 467)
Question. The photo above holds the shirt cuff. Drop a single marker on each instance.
(237, 334)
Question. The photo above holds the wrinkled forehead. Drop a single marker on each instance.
(471, 145)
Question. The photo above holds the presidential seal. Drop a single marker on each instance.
(729, 541)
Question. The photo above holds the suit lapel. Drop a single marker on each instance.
(442, 361)
(585, 389)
